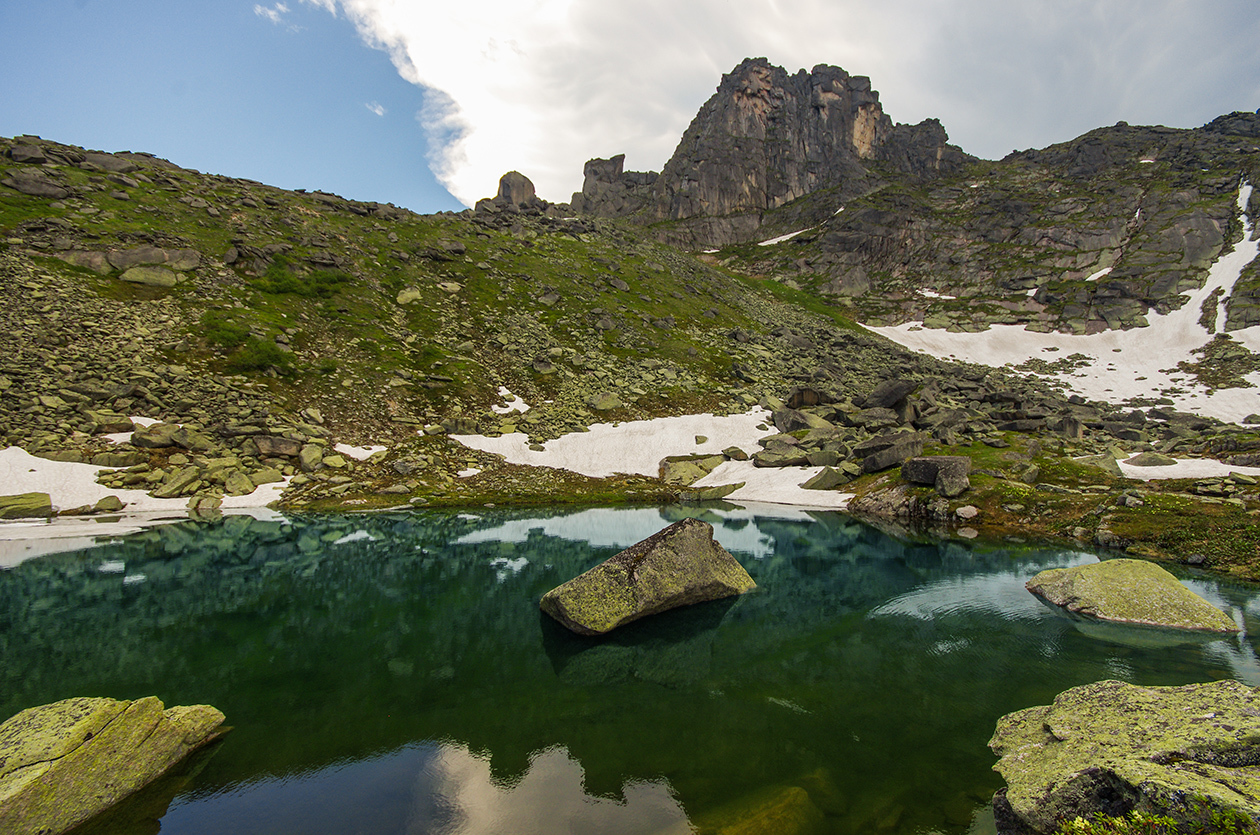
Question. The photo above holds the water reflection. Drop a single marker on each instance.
(392, 673)
(458, 795)
(433, 789)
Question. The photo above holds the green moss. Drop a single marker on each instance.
(259, 355)
(221, 331)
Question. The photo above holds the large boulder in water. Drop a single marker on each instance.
(63, 763)
(677, 566)
(1110, 747)
(1129, 591)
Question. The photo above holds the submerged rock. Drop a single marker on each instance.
(1129, 591)
(677, 566)
(1194, 754)
(63, 763)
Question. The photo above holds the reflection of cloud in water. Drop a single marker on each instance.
(430, 788)
(603, 527)
(457, 795)
(1001, 593)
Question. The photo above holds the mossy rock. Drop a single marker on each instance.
(677, 566)
(1193, 755)
(63, 763)
(1129, 591)
(26, 506)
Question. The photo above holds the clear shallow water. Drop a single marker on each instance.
(392, 673)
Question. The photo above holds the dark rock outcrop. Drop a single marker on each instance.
(678, 566)
(764, 139)
(947, 473)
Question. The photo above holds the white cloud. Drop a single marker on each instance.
(376, 107)
(540, 86)
(275, 14)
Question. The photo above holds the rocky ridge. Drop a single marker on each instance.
(266, 326)
(803, 178)
(763, 140)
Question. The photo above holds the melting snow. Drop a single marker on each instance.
(783, 238)
(357, 536)
(1123, 364)
(358, 453)
(513, 403)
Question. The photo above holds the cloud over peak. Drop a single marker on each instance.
(540, 86)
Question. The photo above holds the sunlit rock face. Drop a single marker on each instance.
(764, 139)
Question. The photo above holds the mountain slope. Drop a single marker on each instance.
(272, 325)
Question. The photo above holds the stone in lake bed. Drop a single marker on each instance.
(1129, 591)
(677, 566)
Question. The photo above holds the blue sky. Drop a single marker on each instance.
(419, 103)
(213, 86)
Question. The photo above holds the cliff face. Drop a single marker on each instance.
(764, 139)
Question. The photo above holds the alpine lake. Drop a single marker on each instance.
(391, 673)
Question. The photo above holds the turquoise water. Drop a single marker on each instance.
(392, 673)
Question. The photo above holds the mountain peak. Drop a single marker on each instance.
(764, 139)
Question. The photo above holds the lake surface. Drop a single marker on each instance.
(393, 674)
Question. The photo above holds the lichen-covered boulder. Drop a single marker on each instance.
(63, 763)
(677, 566)
(1111, 747)
(26, 506)
(1129, 591)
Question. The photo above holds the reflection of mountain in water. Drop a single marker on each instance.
(436, 789)
(863, 670)
(457, 795)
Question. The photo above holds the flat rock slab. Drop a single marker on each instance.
(1194, 752)
(63, 763)
(26, 506)
(1129, 591)
(677, 566)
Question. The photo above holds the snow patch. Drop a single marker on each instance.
(359, 453)
(512, 402)
(1141, 362)
(789, 236)
(1185, 468)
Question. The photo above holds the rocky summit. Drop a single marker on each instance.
(337, 346)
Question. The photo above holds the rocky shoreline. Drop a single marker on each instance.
(336, 350)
